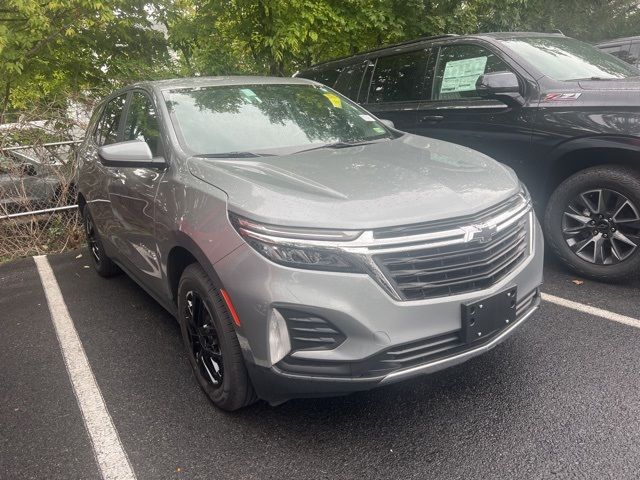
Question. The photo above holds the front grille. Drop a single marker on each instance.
(457, 268)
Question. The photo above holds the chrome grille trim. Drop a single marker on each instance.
(456, 268)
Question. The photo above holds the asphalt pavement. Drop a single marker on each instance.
(559, 399)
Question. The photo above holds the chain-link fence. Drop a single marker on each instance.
(37, 187)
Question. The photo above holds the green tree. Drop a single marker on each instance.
(50, 50)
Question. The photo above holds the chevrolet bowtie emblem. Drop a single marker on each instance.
(479, 233)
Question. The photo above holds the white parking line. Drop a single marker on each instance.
(110, 455)
(598, 312)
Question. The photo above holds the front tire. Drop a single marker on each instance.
(211, 342)
(592, 222)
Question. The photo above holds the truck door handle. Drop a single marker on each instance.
(432, 118)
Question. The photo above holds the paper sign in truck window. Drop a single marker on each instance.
(461, 75)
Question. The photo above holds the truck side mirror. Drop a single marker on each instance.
(503, 86)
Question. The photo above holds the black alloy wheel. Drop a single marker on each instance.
(101, 262)
(203, 339)
(592, 222)
(211, 341)
(92, 241)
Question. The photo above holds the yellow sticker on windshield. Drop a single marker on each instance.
(334, 99)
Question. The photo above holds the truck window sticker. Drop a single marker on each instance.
(461, 75)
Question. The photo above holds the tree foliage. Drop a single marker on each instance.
(53, 48)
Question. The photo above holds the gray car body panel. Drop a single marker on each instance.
(395, 182)
(145, 216)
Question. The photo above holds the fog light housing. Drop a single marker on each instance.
(279, 342)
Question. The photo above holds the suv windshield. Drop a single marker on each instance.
(563, 58)
(242, 119)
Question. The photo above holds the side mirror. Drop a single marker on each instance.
(132, 154)
(503, 86)
(387, 123)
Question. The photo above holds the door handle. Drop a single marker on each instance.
(432, 118)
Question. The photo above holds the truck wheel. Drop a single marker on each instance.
(592, 222)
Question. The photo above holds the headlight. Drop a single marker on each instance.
(286, 246)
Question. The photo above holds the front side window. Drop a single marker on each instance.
(109, 124)
(458, 68)
(398, 78)
(142, 122)
(563, 58)
(269, 118)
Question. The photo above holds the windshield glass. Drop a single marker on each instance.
(249, 118)
(563, 58)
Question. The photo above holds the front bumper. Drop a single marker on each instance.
(276, 385)
(372, 322)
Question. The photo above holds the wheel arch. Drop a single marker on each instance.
(580, 154)
(185, 252)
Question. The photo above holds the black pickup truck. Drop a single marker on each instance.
(562, 113)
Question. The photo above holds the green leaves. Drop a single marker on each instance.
(49, 49)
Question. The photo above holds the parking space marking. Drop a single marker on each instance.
(598, 312)
(110, 455)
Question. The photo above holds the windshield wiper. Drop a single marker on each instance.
(233, 155)
(340, 145)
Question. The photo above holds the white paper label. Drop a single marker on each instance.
(461, 75)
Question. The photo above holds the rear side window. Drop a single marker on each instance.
(350, 80)
(458, 69)
(142, 122)
(326, 76)
(620, 51)
(398, 78)
(109, 124)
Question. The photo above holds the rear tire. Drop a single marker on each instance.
(584, 230)
(101, 262)
(211, 342)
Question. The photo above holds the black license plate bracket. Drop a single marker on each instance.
(482, 318)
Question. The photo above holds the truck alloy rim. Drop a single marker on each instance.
(203, 338)
(601, 226)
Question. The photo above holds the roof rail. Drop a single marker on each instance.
(384, 47)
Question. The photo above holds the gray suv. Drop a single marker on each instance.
(305, 247)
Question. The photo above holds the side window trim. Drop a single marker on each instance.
(93, 126)
(369, 69)
(125, 114)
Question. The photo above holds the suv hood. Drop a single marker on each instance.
(623, 84)
(407, 180)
